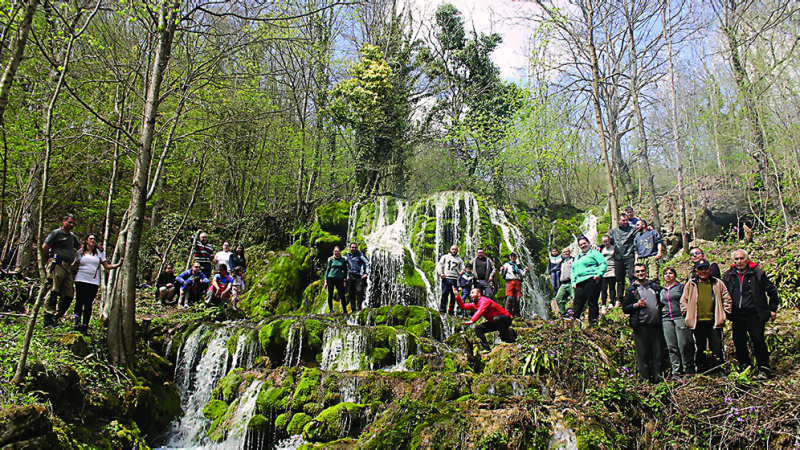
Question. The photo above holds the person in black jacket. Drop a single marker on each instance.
(165, 285)
(237, 259)
(755, 302)
(642, 302)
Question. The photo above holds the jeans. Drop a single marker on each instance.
(356, 289)
(608, 290)
(587, 292)
(706, 336)
(337, 284)
(680, 344)
(555, 280)
(648, 339)
(447, 294)
(747, 322)
(500, 324)
(623, 268)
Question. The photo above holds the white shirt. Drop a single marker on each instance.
(224, 257)
(89, 269)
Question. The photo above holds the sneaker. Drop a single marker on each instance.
(603, 310)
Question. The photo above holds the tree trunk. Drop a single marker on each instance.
(48, 139)
(28, 225)
(745, 89)
(598, 112)
(123, 311)
(16, 55)
(667, 22)
(651, 188)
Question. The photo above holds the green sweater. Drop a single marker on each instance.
(337, 268)
(588, 265)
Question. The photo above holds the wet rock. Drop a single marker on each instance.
(76, 343)
(25, 427)
(336, 422)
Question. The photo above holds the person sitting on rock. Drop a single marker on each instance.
(496, 317)
(221, 286)
(193, 285)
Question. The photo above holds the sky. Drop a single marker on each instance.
(489, 16)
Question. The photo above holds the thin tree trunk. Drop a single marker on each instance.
(651, 188)
(48, 139)
(598, 112)
(667, 21)
(119, 104)
(16, 55)
(123, 312)
(28, 219)
(196, 189)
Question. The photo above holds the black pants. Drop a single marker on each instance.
(608, 290)
(706, 336)
(748, 322)
(500, 324)
(334, 283)
(447, 294)
(84, 296)
(356, 288)
(648, 339)
(623, 269)
(587, 291)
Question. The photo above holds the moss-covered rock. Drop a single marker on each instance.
(214, 409)
(326, 426)
(307, 389)
(281, 288)
(297, 423)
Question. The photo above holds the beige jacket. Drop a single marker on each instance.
(722, 303)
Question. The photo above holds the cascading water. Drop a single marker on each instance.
(345, 348)
(589, 229)
(532, 304)
(403, 252)
(197, 386)
(294, 345)
(245, 408)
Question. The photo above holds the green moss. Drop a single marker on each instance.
(282, 283)
(307, 389)
(400, 313)
(384, 336)
(281, 422)
(312, 409)
(228, 387)
(297, 423)
(326, 426)
(214, 409)
(273, 399)
(379, 355)
(440, 389)
(258, 422)
(313, 334)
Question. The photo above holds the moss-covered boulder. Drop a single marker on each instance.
(307, 389)
(281, 287)
(297, 423)
(214, 409)
(327, 426)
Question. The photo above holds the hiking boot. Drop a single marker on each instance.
(48, 322)
(84, 330)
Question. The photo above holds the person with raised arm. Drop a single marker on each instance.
(496, 318)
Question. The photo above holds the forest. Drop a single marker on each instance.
(268, 123)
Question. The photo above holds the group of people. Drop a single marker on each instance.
(197, 284)
(74, 269)
(681, 319)
(347, 275)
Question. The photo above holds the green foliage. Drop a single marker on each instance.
(281, 284)
(326, 426)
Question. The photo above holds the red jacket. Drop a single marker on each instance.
(486, 307)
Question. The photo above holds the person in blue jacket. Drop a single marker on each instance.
(193, 284)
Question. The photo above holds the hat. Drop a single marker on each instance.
(702, 263)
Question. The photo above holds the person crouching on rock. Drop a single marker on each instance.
(497, 318)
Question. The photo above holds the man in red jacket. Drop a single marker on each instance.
(497, 318)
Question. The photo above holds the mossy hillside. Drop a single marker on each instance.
(89, 402)
(327, 426)
(280, 288)
(418, 320)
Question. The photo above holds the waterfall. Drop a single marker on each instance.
(348, 387)
(294, 344)
(245, 406)
(188, 354)
(196, 390)
(345, 348)
(588, 228)
(402, 351)
(247, 348)
(533, 302)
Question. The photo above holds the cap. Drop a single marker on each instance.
(702, 263)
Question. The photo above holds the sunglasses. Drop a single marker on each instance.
(640, 271)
